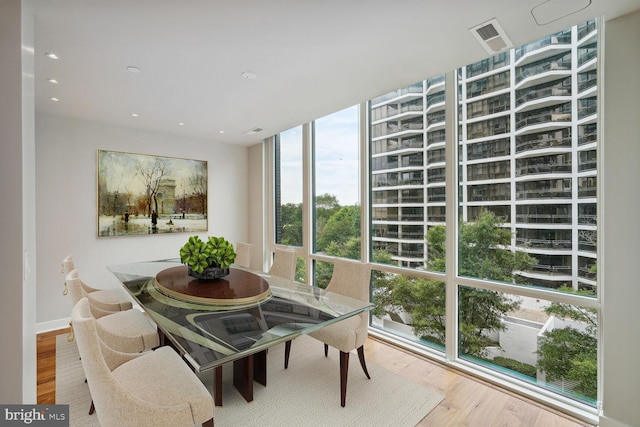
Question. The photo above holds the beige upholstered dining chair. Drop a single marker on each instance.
(284, 263)
(352, 279)
(243, 254)
(103, 301)
(154, 388)
(129, 331)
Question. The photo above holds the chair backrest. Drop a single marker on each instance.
(67, 265)
(284, 263)
(78, 290)
(74, 285)
(101, 382)
(124, 394)
(350, 278)
(243, 254)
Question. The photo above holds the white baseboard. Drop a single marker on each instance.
(52, 325)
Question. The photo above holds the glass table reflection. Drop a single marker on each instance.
(236, 318)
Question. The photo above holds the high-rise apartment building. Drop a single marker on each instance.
(527, 137)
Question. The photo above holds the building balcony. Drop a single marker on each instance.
(587, 192)
(543, 243)
(437, 137)
(543, 218)
(587, 165)
(552, 270)
(587, 30)
(435, 100)
(557, 40)
(554, 117)
(412, 236)
(586, 273)
(414, 90)
(542, 194)
(417, 217)
(435, 159)
(586, 219)
(557, 138)
(587, 111)
(533, 94)
(587, 82)
(542, 169)
(588, 247)
(586, 54)
(410, 200)
(539, 71)
(434, 83)
(393, 111)
(384, 218)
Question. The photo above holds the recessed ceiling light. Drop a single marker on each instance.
(249, 75)
(180, 124)
(134, 114)
(133, 69)
(221, 131)
(53, 81)
(54, 99)
(51, 55)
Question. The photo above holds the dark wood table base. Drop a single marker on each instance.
(245, 371)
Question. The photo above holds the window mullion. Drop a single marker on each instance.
(308, 168)
(451, 191)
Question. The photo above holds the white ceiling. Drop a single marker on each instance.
(311, 58)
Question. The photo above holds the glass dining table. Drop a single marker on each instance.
(232, 319)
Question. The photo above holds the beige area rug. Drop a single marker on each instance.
(306, 394)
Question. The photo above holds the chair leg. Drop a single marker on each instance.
(326, 350)
(217, 385)
(92, 408)
(362, 362)
(208, 423)
(344, 369)
(287, 350)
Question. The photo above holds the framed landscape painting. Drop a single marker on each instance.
(145, 194)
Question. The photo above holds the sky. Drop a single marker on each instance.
(336, 154)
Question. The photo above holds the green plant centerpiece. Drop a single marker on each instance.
(208, 260)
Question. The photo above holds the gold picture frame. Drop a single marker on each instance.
(140, 194)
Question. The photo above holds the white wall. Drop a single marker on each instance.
(28, 206)
(620, 237)
(66, 204)
(16, 310)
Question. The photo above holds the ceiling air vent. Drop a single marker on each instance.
(254, 131)
(491, 36)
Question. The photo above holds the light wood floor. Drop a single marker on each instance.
(468, 401)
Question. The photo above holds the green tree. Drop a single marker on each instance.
(326, 206)
(482, 254)
(340, 227)
(570, 353)
(291, 224)
(324, 270)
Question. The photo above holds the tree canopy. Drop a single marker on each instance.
(482, 254)
(570, 353)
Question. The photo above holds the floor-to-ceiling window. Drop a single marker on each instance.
(482, 216)
(528, 306)
(336, 189)
(289, 192)
(407, 141)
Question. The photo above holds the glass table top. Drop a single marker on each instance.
(210, 333)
